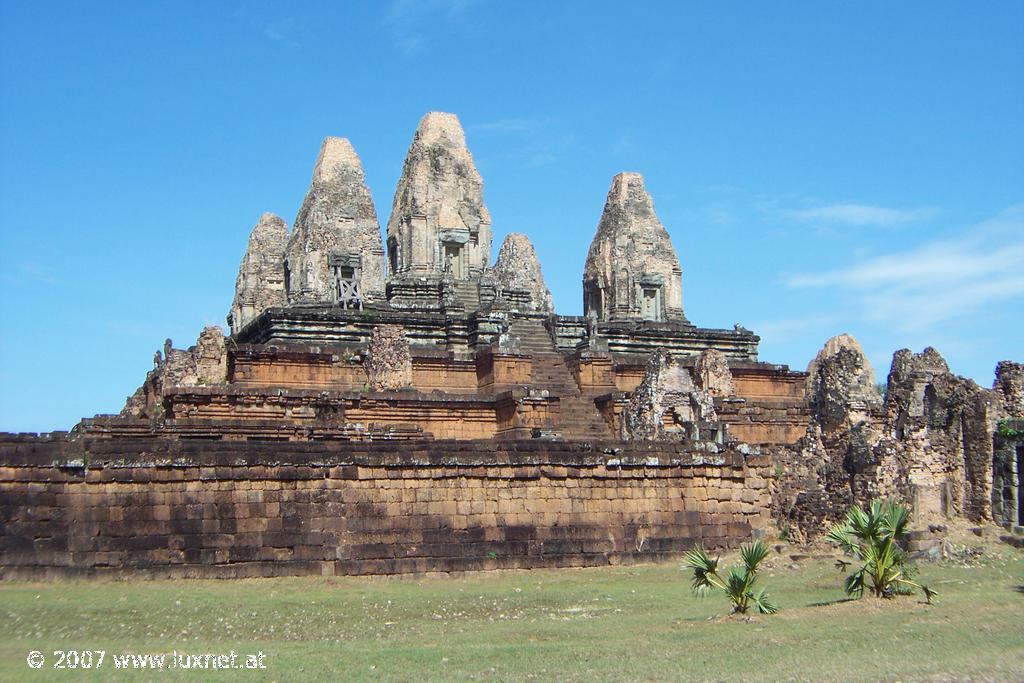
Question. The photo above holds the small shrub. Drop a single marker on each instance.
(738, 585)
(872, 537)
(1006, 430)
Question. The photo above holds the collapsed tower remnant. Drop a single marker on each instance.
(667, 394)
(335, 255)
(711, 374)
(841, 384)
(632, 271)
(517, 276)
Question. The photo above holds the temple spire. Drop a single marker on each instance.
(335, 253)
(632, 272)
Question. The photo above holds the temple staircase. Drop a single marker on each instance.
(469, 294)
(578, 416)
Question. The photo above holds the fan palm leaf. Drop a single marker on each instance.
(763, 602)
(872, 536)
(752, 554)
(738, 584)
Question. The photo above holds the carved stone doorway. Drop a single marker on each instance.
(650, 303)
(453, 259)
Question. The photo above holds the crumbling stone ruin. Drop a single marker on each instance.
(667, 393)
(204, 364)
(517, 277)
(412, 408)
(388, 363)
(930, 443)
(1009, 386)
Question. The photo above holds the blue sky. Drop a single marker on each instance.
(821, 167)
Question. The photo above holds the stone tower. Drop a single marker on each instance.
(517, 276)
(335, 253)
(439, 226)
(632, 272)
(260, 282)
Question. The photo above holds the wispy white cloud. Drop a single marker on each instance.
(940, 280)
(281, 31)
(860, 215)
(513, 125)
(29, 273)
(541, 159)
(787, 329)
(410, 22)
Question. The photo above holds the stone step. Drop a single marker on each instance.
(578, 416)
(468, 293)
(533, 337)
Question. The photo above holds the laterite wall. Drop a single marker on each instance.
(211, 508)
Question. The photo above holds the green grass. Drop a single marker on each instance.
(615, 623)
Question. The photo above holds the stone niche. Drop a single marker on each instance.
(1008, 474)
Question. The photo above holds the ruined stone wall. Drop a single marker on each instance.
(770, 385)
(445, 416)
(207, 509)
(930, 444)
(763, 422)
(296, 366)
(941, 426)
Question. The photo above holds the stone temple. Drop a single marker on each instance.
(405, 405)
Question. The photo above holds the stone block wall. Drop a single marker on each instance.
(755, 422)
(764, 421)
(444, 416)
(294, 366)
(180, 508)
(500, 371)
(298, 366)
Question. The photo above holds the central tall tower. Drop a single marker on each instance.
(439, 226)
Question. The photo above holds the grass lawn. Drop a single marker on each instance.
(614, 623)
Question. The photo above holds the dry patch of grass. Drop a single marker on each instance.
(614, 623)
